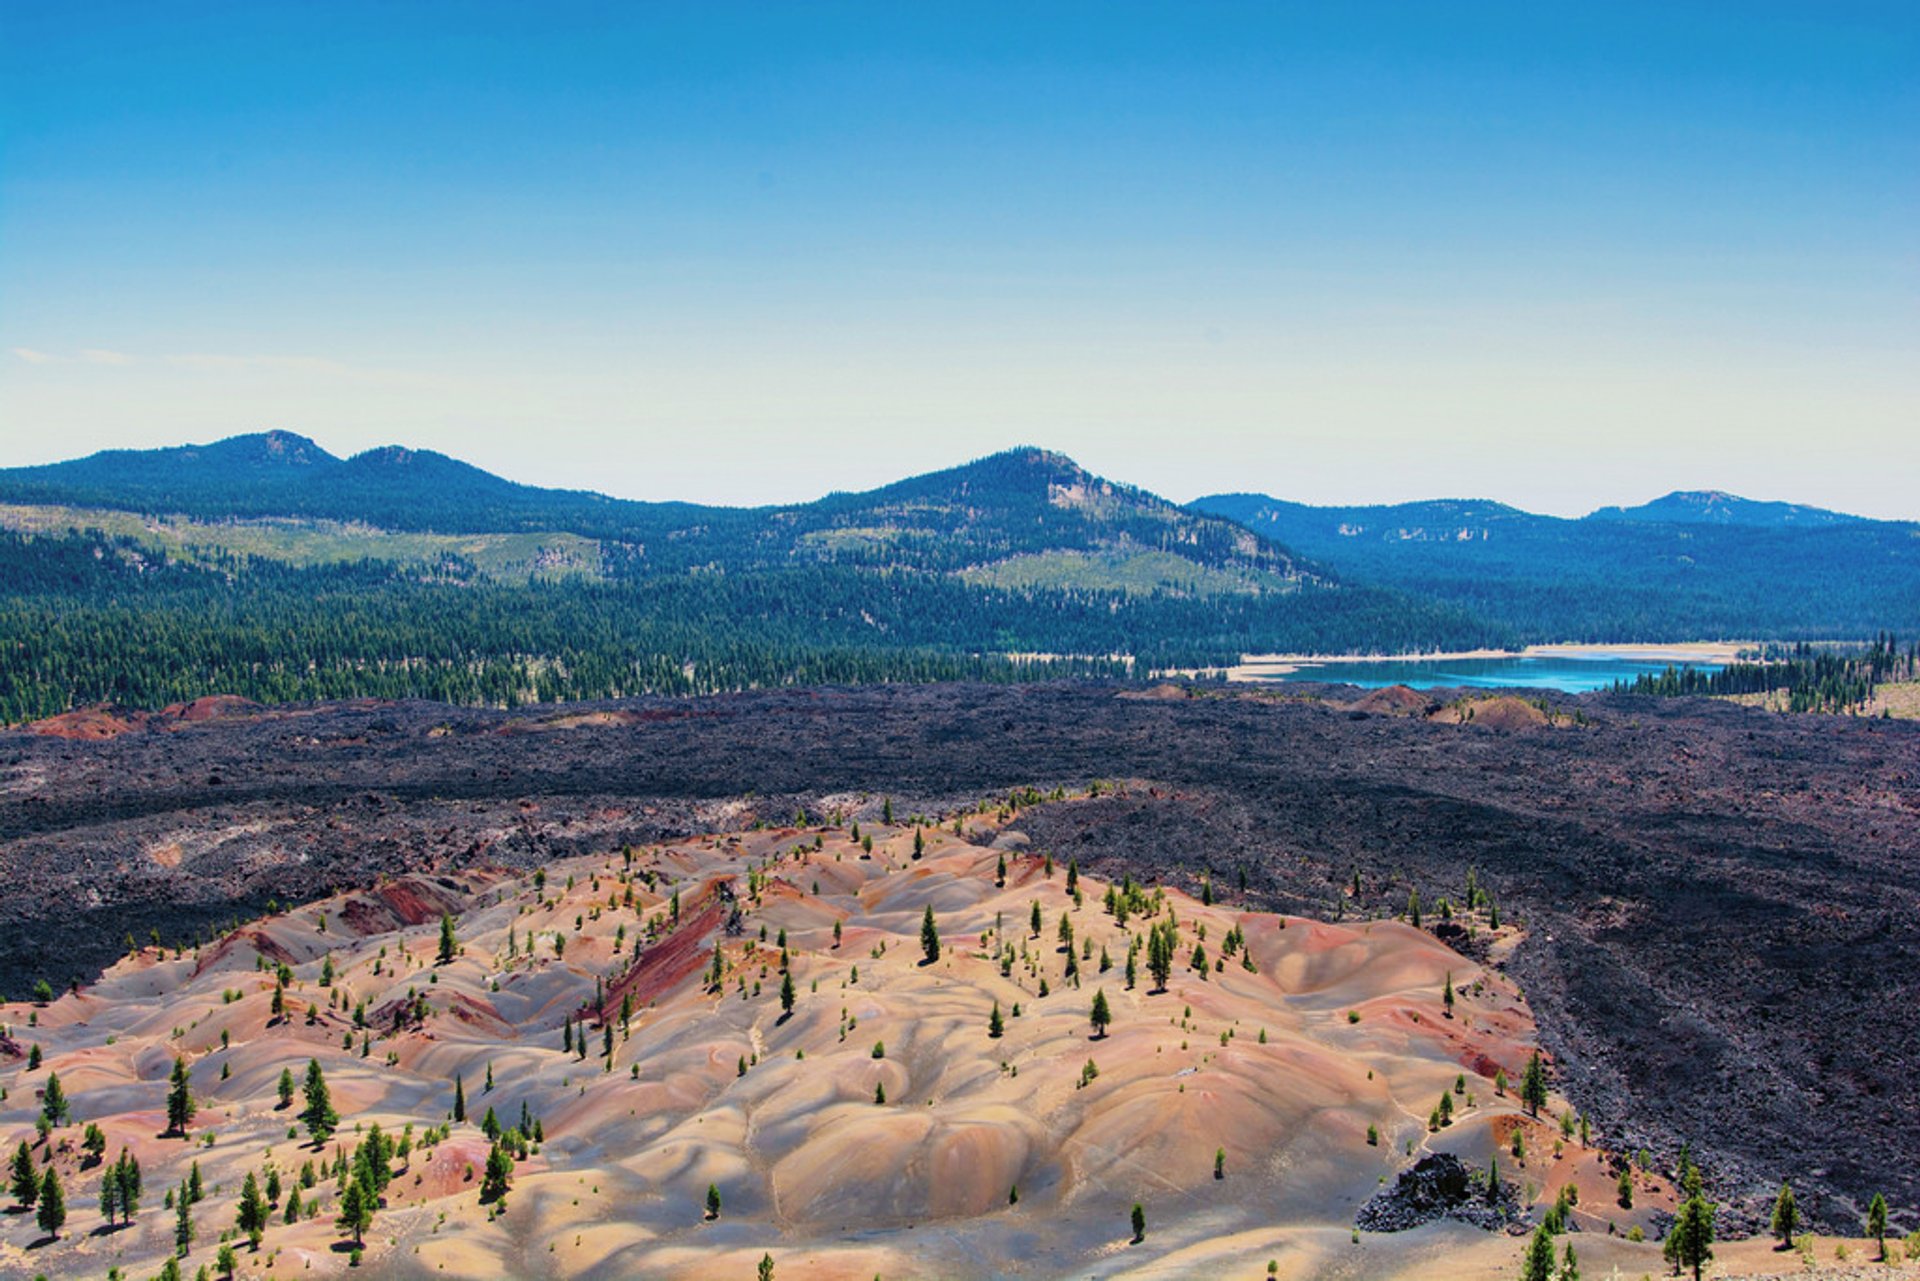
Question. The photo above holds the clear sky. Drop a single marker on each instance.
(1555, 254)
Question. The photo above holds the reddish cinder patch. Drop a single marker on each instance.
(681, 953)
(257, 939)
(88, 724)
(210, 708)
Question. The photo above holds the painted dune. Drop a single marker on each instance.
(876, 1129)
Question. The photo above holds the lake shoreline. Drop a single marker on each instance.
(1267, 667)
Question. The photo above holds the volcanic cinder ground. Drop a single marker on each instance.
(1282, 1067)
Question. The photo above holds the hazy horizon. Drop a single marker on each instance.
(744, 255)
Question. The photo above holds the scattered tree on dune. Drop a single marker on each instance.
(1162, 939)
(1538, 1264)
(1139, 1220)
(930, 936)
(786, 992)
(180, 1104)
(23, 1179)
(318, 1114)
(51, 1214)
(251, 1216)
(713, 1200)
(996, 1025)
(449, 945)
(356, 1210)
(183, 1230)
(1876, 1221)
(495, 1183)
(284, 1089)
(1101, 1015)
(53, 1102)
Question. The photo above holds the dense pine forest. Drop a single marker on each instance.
(1814, 678)
(85, 619)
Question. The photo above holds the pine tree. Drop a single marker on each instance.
(293, 1204)
(1100, 1015)
(23, 1179)
(786, 992)
(1692, 1234)
(1538, 1265)
(930, 936)
(459, 1099)
(1446, 994)
(449, 945)
(996, 1026)
(1786, 1216)
(226, 1260)
(285, 1088)
(318, 1114)
(53, 1102)
(1073, 875)
(110, 1194)
(713, 1200)
(182, 1222)
(130, 1187)
(497, 1180)
(1876, 1221)
(766, 1267)
(1533, 1087)
(356, 1210)
(1034, 921)
(1623, 1190)
(51, 1213)
(1000, 873)
(1569, 1265)
(251, 1216)
(1139, 1221)
(1161, 941)
(180, 1104)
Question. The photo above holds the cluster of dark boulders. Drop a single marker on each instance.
(1440, 1186)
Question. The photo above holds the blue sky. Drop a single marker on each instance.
(1558, 255)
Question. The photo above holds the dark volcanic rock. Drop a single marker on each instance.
(1723, 905)
(1439, 1186)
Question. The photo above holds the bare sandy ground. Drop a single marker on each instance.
(876, 1130)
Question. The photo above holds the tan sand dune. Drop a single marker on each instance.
(876, 1129)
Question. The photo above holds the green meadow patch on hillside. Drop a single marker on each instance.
(1135, 571)
(503, 556)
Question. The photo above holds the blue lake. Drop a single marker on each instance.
(1569, 675)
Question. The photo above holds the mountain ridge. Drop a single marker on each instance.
(280, 453)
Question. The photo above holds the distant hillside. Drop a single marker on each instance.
(1752, 570)
(1026, 517)
(265, 567)
(1711, 507)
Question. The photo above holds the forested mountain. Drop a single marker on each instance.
(1760, 574)
(969, 572)
(1711, 507)
(265, 566)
